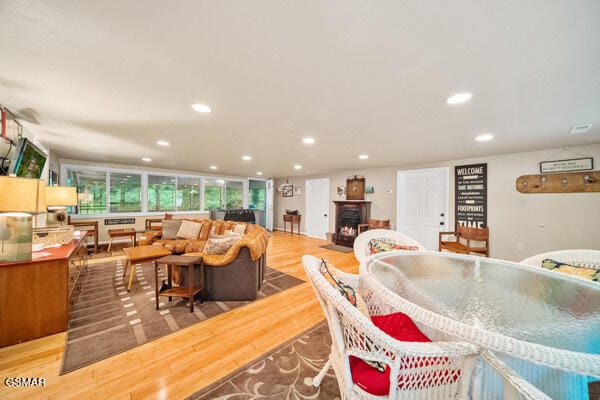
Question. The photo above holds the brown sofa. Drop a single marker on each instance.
(235, 275)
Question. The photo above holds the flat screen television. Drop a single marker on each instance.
(29, 160)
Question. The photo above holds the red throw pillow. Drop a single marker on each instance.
(400, 327)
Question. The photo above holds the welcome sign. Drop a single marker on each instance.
(470, 195)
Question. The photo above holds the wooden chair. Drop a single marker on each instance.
(462, 238)
(153, 224)
(374, 224)
(90, 226)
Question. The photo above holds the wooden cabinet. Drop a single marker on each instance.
(34, 295)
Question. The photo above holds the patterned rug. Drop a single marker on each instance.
(106, 319)
(285, 373)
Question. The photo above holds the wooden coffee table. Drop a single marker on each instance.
(139, 254)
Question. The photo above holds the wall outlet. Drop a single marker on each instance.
(520, 247)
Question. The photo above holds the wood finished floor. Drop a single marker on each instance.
(179, 364)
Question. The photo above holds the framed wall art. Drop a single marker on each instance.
(287, 191)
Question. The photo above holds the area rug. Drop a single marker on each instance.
(341, 249)
(106, 319)
(284, 373)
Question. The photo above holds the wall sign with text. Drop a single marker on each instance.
(119, 221)
(576, 164)
(470, 192)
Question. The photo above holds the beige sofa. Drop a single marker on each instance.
(235, 275)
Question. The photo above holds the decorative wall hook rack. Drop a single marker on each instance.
(566, 182)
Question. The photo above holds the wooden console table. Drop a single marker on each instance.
(291, 219)
(35, 295)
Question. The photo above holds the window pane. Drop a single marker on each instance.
(234, 195)
(125, 192)
(161, 193)
(257, 195)
(91, 190)
(214, 194)
(188, 194)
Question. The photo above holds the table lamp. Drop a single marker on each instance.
(57, 200)
(18, 198)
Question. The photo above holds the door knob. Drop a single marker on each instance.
(442, 223)
(442, 214)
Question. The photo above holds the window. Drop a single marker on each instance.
(161, 193)
(91, 190)
(234, 195)
(257, 194)
(223, 194)
(119, 191)
(214, 194)
(125, 192)
(188, 194)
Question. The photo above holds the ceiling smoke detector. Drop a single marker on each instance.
(582, 128)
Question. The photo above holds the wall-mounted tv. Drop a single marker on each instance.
(29, 160)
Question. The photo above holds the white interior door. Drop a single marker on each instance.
(317, 208)
(269, 206)
(423, 204)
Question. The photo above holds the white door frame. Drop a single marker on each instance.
(399, 205)
(269, 204)
(325, 212)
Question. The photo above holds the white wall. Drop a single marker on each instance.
(540, 222)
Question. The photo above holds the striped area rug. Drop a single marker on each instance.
(106, 319)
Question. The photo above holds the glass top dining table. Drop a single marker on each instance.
(536, 317)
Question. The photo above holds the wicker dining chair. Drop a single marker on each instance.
(413, 370)
(578, 257)
(367, 242)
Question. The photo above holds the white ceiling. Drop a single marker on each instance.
(104, 80)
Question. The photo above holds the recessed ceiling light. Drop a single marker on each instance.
(459, 98)
(246, 158)
(147, 159)
(163, 143)
(297, 166)
(259, 173)
(580, 129)
(213, 167)
(484, 137)
(363, 156)
(308, 140)
(201, 108)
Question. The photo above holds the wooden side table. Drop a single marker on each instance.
(188, 291)
(291, 219)
(124, 232)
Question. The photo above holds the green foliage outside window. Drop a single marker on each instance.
(125, 193)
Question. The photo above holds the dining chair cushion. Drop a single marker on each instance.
(380, 246)
(582, 272)
(400, 327)
(346, 290)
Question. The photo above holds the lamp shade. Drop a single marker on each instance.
(61, 196)
(22, 195)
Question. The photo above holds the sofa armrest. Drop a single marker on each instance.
(148, 237)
